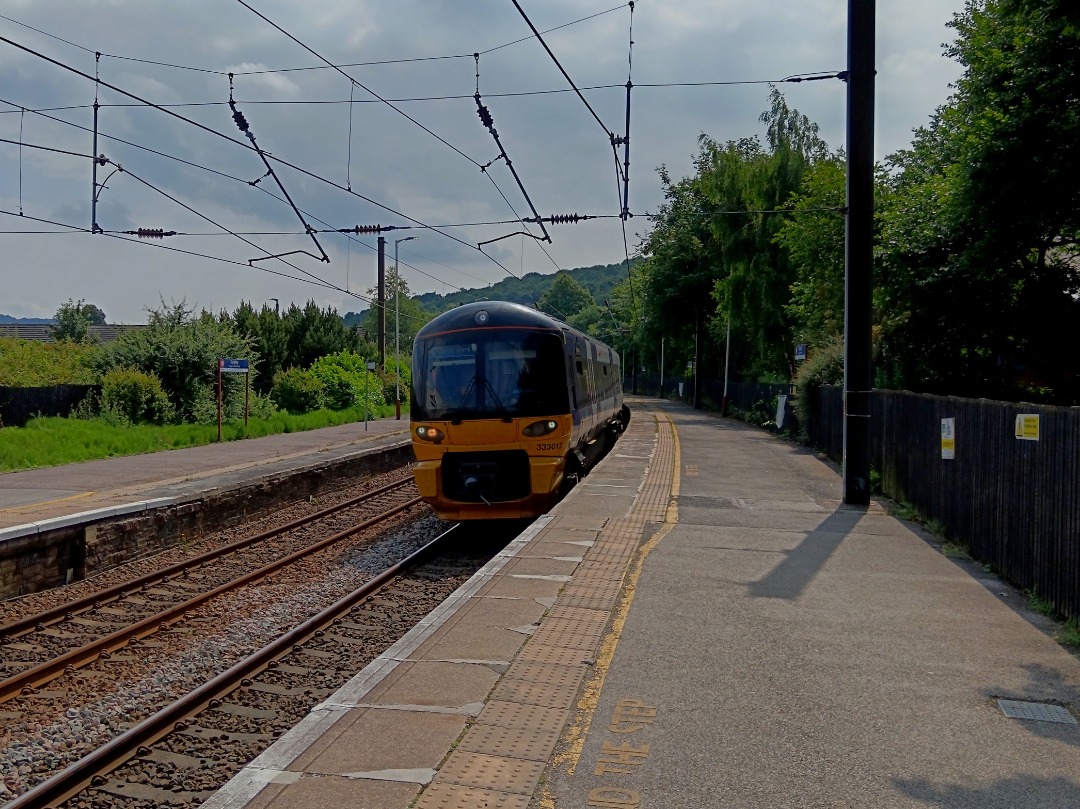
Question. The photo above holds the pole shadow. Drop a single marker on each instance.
(801, 564)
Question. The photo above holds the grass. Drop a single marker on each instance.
(1040, 605)
(1069, 635)
(56, 441)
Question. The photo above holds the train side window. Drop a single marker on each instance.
(580, 368)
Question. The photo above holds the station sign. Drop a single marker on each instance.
(233, 366)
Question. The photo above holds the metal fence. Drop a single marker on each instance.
(19, 405)
(1013, 501)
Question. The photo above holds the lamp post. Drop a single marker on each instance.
(397, 329)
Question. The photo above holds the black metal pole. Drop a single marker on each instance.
(858, 378)
(380, 302)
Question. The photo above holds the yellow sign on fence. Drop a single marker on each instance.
(1027, 426)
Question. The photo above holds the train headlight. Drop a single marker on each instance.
(430, 434)
(539, 428)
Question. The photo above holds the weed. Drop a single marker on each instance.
(936, 527)
(955, 550)
(1070, 633)
(906, 512)
(1040, 605)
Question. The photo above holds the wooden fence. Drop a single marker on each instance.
(1013, 501)
(19, 405)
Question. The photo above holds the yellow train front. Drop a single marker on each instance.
(509, 407)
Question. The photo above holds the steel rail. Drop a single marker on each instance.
(69, 609)
(116, 751)
(77, 658)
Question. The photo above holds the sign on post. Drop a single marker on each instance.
(231, 365)
(371, 365)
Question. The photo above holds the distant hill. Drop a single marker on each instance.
(528, 289)
(27, 321)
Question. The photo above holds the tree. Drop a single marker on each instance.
(73, 321)
(565, 298)
(409, 314)
(182, 351)
(313, 333)
(713, 252)
(270, 337)
(981, 221)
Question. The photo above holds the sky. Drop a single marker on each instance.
(342, 156)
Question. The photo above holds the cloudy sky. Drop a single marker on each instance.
(192, 171)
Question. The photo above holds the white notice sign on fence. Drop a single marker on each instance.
(948, 439)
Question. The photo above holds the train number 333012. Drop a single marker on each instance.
(544, 447)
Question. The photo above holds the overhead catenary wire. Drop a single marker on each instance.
(233, 140)
(405, 60)
(242, 124)
(562, 70)
(328, 229)
(814, 76)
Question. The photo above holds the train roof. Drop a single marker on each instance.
(498, 314)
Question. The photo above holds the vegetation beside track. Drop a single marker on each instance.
(56, 441)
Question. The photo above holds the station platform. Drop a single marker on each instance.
(36, 500)
(701, 623)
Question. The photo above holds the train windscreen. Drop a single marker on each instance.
(491, 373)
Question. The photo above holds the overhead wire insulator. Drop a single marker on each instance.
(367, 229)
(563, 219)
(484, 113)
(152, 233)
(238, 117)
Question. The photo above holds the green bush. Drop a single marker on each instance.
(135, 397)
(30, 364)
(346, 381)
(298, 391)
(824, 365)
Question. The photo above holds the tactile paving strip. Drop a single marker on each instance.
(545, 653)
(497, 773)
(549, 673)
(600, 595)
(567, 612)
(523, 743)
(557, 696)
(583, 635)
(540, 718)
(602, 571)
(454, 796)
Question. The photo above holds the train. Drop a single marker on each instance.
(509, 408)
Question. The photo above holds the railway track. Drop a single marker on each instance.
(60, 706)
(37, 648)
(183, 752)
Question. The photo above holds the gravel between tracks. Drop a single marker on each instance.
(116, 693)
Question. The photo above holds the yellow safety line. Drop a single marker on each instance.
(29, 508)
(576, 734)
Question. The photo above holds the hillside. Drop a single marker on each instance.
(599, 280)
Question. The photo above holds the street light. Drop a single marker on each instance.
(397, 330)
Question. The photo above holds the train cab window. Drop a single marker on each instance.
(580, 368)
(488, 373)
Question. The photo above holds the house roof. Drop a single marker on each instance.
(43, 332)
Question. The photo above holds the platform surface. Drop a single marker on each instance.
(700, 624)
